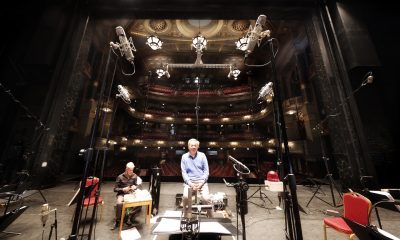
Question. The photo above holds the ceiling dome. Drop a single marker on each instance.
(240, 25)
(158, 25)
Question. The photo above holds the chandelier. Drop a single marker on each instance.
(242, 43)
(199, 43)
(154, 42)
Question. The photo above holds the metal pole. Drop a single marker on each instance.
(293, 216)
(88, 155)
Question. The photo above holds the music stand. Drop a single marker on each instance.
(384, 200)
(9, 218)
(368, 232)
(359, 230)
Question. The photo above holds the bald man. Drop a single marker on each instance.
(126, 183)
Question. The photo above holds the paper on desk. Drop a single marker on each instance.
(130, 234)
(142, 194)
(170, 213)
(168, 225)
(213, 227)
(138, 195)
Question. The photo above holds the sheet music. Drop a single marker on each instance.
(170, 226)
(170, 213)
(138, 195)
(213, 227)
(388, 235)
(130, 234)
(73, 199)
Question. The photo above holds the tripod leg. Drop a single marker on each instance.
(332, 194)
(332, 185)
(51, 231)
(41, 194)
(263, 195)
(315, 192)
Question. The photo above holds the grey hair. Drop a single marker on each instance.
(193, 141)
(130, 165)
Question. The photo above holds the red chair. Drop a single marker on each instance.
(356, 208)
(92, 185)
(272, 176)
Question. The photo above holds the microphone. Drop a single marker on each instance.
(45, 213)
(124, 94)
(368, 79)
(125, 47)
(254, 34)
(266, 92)
(235, 161)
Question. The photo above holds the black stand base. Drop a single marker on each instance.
(327, 180)
(261, 196)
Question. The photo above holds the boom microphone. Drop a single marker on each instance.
(124, 94)
(237, 162)
(368, 79)
(125, 47)
(266, 92)
(255, 34)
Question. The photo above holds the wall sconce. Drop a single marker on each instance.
(242, 43)
(161, 72)
(154, 42)
(233, 72)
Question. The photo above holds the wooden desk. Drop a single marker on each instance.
(135, 203)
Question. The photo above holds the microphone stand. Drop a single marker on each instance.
(38, 133)
(292, 214)
(115, 105)
(319, 129)
(241, 188)
(89, 155)
(54, 225)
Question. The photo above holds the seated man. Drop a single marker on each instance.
(195, 173)
(126, 183)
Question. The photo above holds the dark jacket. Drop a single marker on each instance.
(124, 181)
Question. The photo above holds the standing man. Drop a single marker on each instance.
(126, 183)
(194, 166)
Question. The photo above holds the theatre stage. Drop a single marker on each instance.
(261, 223)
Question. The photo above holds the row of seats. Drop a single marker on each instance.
(216, 92)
